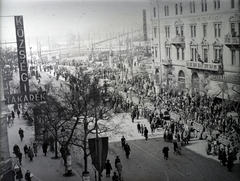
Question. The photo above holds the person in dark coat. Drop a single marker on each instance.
(28, 176)
(18, 113)
(224, 157)
(108, 168)
(45, 147)
(139, 128)
(145, 133)
(165, 152)
(115, 177)
(20, 158)
(30, 153)
(230, 161)
(21, 133)
(16, 149)
(13, 115)
(127, 150)
(123, 141)
(25, 148)
(19, 174)
(117, 160)
(35, 150)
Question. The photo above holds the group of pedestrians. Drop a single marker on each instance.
(142, 129)
(29, 152)
(118, 167)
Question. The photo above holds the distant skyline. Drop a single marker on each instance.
(61, 19)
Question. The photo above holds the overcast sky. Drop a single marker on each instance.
(60, 18)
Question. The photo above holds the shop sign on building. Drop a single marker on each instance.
(25, 95)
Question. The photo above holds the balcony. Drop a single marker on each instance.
(204, 66)
(167, 62)
(178, 41)
(232, 42)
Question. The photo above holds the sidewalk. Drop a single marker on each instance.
(43, 167)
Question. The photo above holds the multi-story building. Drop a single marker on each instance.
(195, 44)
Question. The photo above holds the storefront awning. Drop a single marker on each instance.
(232, 91)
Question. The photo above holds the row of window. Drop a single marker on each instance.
(193, 30)
(195, 56)
(204, 7)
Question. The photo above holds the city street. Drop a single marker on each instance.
(146, 160)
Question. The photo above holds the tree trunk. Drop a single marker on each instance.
(56, 140)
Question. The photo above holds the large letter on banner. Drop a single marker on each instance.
(99, 150)
(22, 58)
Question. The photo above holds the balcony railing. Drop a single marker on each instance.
(232, 40)
(203, 66)
(178, 40)
(166, 61)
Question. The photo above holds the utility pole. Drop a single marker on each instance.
(79, 44)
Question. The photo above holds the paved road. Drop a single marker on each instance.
(146, 163)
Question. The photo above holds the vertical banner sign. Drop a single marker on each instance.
(144, 25)
(22, 59)
(99, 149)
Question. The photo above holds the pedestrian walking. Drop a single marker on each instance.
(142, 130)
(138, 127)
(21, 133)
(30, 153)
(35, 150)
(16, 149)
(145, 133)
(25, 148)
(175, 146)
(19, 175)
(18, 113)
(230, 161)
(123, 141)
(115, 177)
(119, 169)
(117, 159)
(20, 157)
(45, 147)
(28, 176)
(165, 152)
(108, 168)
(224, 157)
(13, 115)
(127, 150)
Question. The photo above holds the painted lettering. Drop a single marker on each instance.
(13, 100)
(22, 54)
(24, 77)
(20, 33)
(31, 97)
(22, 43)
(18, 20)
(25, 98)
(42, 97)
(20, 98)
(23, 66)
(37, 97)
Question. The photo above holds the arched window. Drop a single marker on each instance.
(181, 79)
(195, 81)
(154, 12)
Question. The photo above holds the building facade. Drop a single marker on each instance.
(195, 45)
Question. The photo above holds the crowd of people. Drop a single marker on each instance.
(208, 112)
